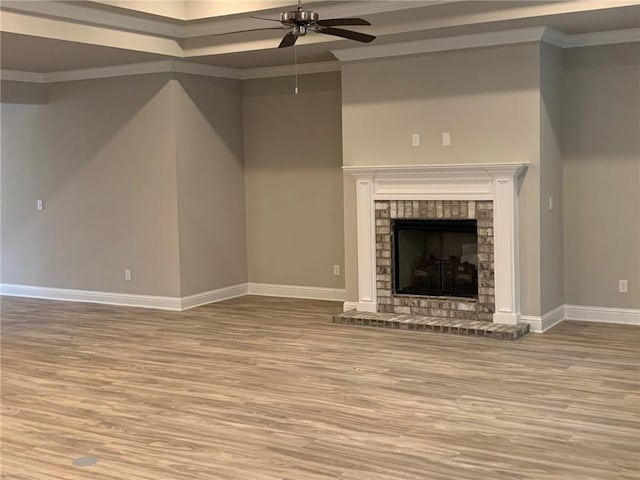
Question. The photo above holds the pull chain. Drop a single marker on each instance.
(295, 68)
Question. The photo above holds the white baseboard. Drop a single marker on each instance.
(213, 296)
(546, 321)
(125, 299)
(582, 313)
(349, 306)
(295, 291)
(68, 295)
(535, 323)
(625, 316)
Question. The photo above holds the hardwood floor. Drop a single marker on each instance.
(264, 388)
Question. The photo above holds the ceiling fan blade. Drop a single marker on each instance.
(334, 22)
(249, 30)
(350, 34)
(288, 40)
(268, 19)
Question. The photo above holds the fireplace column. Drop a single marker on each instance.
(505, 248)
(366, 228)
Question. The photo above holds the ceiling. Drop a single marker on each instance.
(57, 36)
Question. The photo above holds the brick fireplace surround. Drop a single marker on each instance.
(449, 307)
(486, 192)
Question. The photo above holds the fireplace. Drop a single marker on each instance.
(420, 269)
(484, 192)
(435, 258)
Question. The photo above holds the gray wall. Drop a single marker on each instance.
(293, 159)
(136, 172)
(22, 92)
(601, 154)
(551, 221)
(147, 172)
(209, 163)
(488, 98)
(100, 154)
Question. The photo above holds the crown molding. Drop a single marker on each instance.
(506, 37)
(488, 39)
(168, 66)
(108, 72)
(59, 29)
(611, 37)
(19, 76)
(178, 66)
(287, 70)
(183, 28)
(82, 13)
(554, 37)
(165, 66)
(457, 42)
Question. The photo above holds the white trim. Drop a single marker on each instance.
(366, 238)
(297, 291)
(146, 68)
(457, 42)
(287, 70)
(603, 38)
(179, 66)
(184, 26)
(19, 76)
(168, 66)
(488, 39)
(81, 13)
(546, 321)
(622, 316)
(555, 37)
(553, 318)
(125, 299)
(69, 295)
(535, 323)
(462, 181)
(86, 33)
(213, 296)
(625, 316)
(524, 35)
(163, 66)
(582, 313)
(349, 306)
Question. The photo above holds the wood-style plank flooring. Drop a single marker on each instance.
(262, 388)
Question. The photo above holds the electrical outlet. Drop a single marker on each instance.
(623, 286)
(446, 139)
(551, 204)
(127, 274)
(415, 140)
(336, 270)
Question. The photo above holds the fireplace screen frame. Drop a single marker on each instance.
(453, 275)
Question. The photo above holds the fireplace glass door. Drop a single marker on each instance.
(435, 258)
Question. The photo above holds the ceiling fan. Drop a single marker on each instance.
(301, 21)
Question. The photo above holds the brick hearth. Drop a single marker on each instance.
(433, 324)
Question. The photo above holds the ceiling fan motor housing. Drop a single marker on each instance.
(299, 20)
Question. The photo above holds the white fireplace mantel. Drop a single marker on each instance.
(471, 181)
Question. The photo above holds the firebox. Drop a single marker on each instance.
(435, 257)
